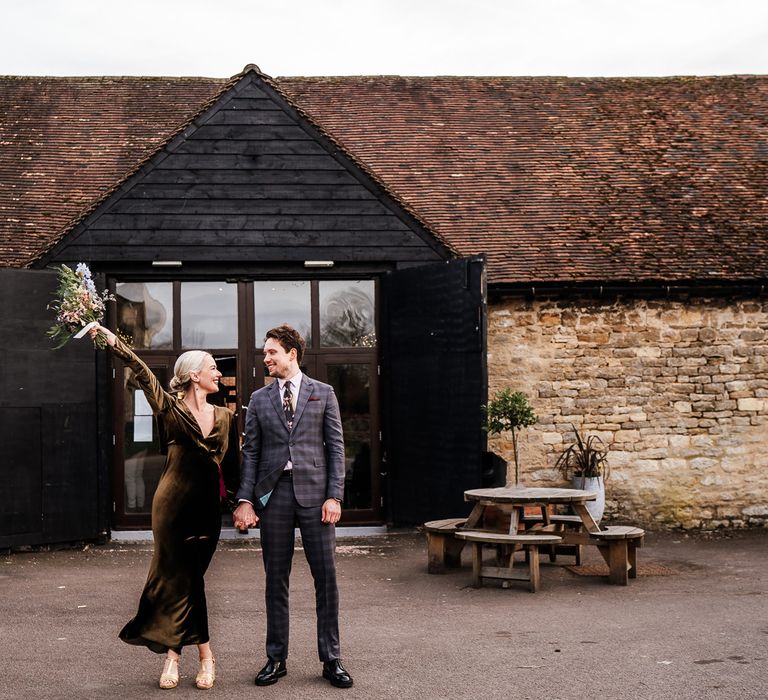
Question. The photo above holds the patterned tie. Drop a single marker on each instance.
(288, 405)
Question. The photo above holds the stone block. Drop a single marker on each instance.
(751, 404)
(761, 510)
(647, 465)
(674, 463)
(552, 438)
(626, 436)
(678, 441)
(703, 463)
(738, 385)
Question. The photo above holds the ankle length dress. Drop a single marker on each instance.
(186, 517)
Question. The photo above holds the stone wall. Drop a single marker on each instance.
(678, 391)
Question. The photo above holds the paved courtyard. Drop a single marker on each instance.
(700, 631)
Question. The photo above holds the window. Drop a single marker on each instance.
(208, 315)
(275, 303)
(145, 313)
(347, 317)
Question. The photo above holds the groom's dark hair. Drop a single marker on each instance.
(288, 338)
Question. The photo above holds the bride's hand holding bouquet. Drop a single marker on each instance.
(99, 332)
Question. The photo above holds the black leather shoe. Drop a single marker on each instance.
(272, 672)
(337, 674)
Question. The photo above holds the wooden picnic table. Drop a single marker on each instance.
(616, 544)
(513, 500)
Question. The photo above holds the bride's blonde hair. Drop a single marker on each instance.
(188, 362)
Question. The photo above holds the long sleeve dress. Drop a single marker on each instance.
(186, 519)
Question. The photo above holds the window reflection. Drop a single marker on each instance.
(145, 313)
(208, 315)
(227, 394)
(275, 303)
(347, 313)
(144, 445)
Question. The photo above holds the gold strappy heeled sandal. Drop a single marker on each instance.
(169, 678)
(206, 675)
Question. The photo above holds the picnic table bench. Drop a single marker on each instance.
(507, 572)
(443, 549)
(618, 544)
(556, 523)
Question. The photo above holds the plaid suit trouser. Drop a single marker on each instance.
(277, 522)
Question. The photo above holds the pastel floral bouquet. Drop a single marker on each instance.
(78, 306)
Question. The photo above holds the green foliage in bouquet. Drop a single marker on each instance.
(77, 303)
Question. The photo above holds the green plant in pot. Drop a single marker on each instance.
(585, 465)
(509, 411)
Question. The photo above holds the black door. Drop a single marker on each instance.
(434, 384)
(52, 488)
(355, 381)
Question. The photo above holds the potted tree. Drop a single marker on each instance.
(585, 465)
(509, 411)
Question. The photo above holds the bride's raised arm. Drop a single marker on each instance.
(157, 397)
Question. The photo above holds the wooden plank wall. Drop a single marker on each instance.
(51, 483)
(253, 182)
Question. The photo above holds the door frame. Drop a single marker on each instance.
(250, 376)
(120, 518)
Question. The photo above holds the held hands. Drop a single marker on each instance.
(245, 516)
(108, 334)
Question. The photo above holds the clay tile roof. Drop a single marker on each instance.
(64, 142)
(556, 179)
(570, 179)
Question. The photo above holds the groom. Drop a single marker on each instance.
(293, 474)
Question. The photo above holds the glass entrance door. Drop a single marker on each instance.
(139, 445)
(162, 319)
(140, 440)
(338, 320)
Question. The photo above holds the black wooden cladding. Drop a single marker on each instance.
(249, 192)
(248, 148)
(21, 505)
(239, 253)
(435, 384)
(179, 209)
(239, 222)
(52, 490)
(208, 237)
(251, 179)
(205, 178)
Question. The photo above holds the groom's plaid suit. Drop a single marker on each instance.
(315, 446)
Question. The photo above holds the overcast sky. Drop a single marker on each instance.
(217, 38)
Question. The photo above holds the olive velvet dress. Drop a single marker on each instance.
(186, 518)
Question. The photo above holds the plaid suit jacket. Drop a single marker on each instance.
(315, 444)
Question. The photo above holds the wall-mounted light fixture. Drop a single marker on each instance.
(166, 263)
(318, 263)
